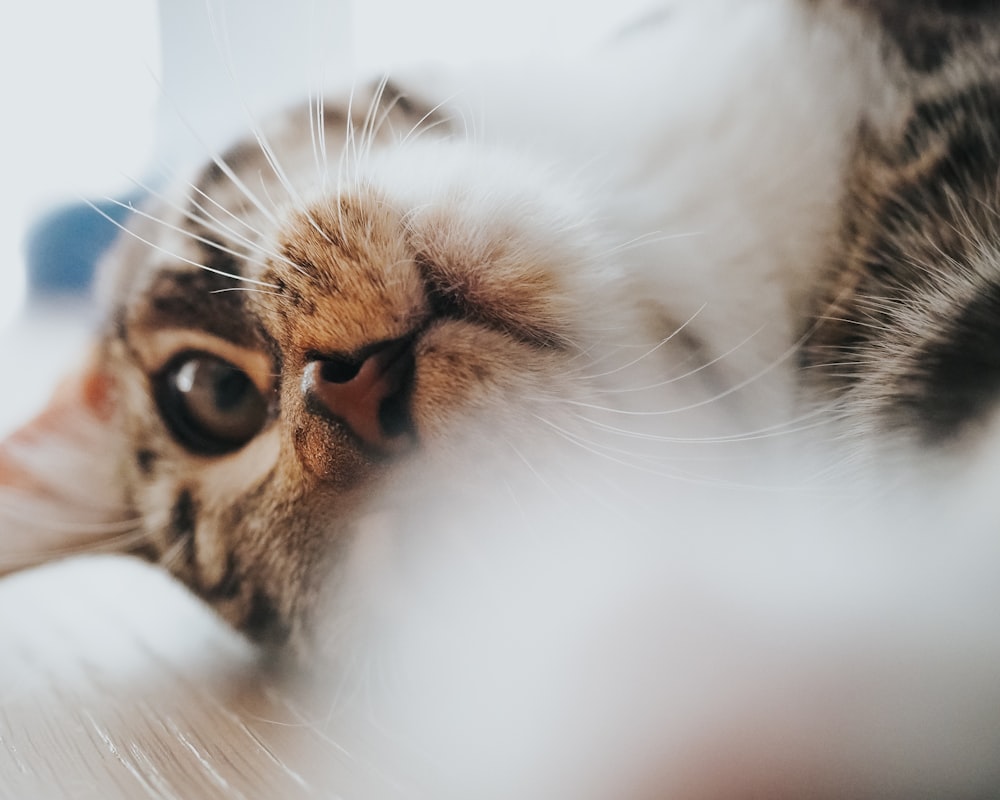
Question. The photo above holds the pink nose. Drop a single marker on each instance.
(370, 396)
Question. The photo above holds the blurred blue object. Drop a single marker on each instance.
(63, 246)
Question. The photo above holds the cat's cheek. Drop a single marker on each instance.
(327, 453)
(229, 477)
(471, 379)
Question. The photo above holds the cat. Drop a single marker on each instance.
(731, 281)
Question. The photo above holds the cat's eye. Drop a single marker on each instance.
(210, 406)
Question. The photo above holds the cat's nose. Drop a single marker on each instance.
(370, 395)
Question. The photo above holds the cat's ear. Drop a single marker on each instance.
(59, 490)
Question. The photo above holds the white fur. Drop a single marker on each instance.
(712, 147)
(709, 642)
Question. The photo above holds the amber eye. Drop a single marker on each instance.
(210, 406)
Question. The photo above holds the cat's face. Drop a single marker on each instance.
(364, 335)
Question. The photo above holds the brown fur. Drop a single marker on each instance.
(918, 220)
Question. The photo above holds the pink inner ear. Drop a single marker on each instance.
(96, 393)
(60, 491)
(84, 395)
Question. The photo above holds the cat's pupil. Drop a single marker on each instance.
(231, 388)
(210, 406)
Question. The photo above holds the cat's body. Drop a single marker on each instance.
(679, 294)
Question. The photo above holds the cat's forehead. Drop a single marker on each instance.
(343, 274)
(194, 255)
(308, 272)
(197, 252)
(189, 256)
(181, 283)
(335, 272)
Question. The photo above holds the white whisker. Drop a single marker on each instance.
(218, 161)
(208, 221)
(186, 232)
(648, 353)
(175, 256)
(418, 128)
(249, 290)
